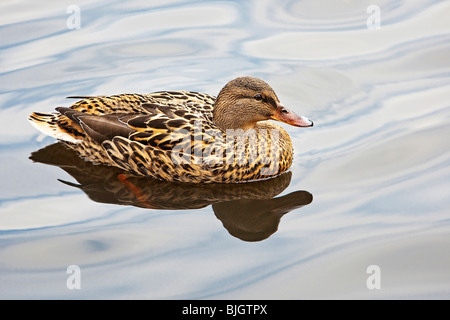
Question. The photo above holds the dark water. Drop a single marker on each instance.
(369, 185)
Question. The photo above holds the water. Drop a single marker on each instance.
(369, 185)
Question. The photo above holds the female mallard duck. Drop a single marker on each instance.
(181, 135)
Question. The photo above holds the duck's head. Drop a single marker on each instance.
(244, 101)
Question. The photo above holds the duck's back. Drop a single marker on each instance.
(139, 103)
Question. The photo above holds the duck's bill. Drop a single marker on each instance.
(284, 115)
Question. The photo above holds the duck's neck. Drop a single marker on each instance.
(239, 117)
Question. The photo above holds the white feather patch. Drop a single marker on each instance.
(52, 131)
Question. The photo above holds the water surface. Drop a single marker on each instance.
(369, 184)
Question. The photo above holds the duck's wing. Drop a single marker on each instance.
(185, 100)
(104, 117)
(165, 144)
(99, 105)
(145, 127)
(138, 103)
(97, 127)
(166, 125)
(165, 135)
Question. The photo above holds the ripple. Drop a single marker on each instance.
(338, 16)
(376, 160)
(333, 45)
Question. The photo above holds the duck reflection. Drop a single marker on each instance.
(249, 211)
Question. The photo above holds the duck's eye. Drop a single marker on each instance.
(258, 97)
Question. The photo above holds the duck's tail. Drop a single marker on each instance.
(48, 124)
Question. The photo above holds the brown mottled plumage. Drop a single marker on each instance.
(181, 135)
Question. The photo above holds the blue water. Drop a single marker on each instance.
(376, 163)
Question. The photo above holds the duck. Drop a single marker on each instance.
(181, 136)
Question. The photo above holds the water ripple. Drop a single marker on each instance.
(376, 160)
